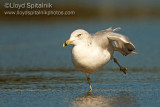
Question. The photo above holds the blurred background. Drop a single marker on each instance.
(35, 41)
(35, 70)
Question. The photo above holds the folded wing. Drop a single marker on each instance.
(122, 43)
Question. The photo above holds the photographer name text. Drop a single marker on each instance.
(28, 5)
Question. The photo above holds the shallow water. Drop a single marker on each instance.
(110, 88)
(39, 45)
(37, 71)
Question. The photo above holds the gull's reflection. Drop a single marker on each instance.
(121, 99)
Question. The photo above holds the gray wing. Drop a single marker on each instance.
(100, 37)
(122, 43)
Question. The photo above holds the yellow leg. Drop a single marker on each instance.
(88, 79)
(124, 69)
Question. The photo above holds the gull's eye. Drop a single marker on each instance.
(78, 35)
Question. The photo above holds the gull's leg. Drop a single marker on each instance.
(124, 69)
(88, 79)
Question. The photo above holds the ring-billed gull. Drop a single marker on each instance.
(92, 51)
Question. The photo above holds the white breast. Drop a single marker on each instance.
(89, 59)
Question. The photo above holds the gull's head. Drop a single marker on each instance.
(77, 37)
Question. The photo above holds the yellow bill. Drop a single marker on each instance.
(67, 43)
